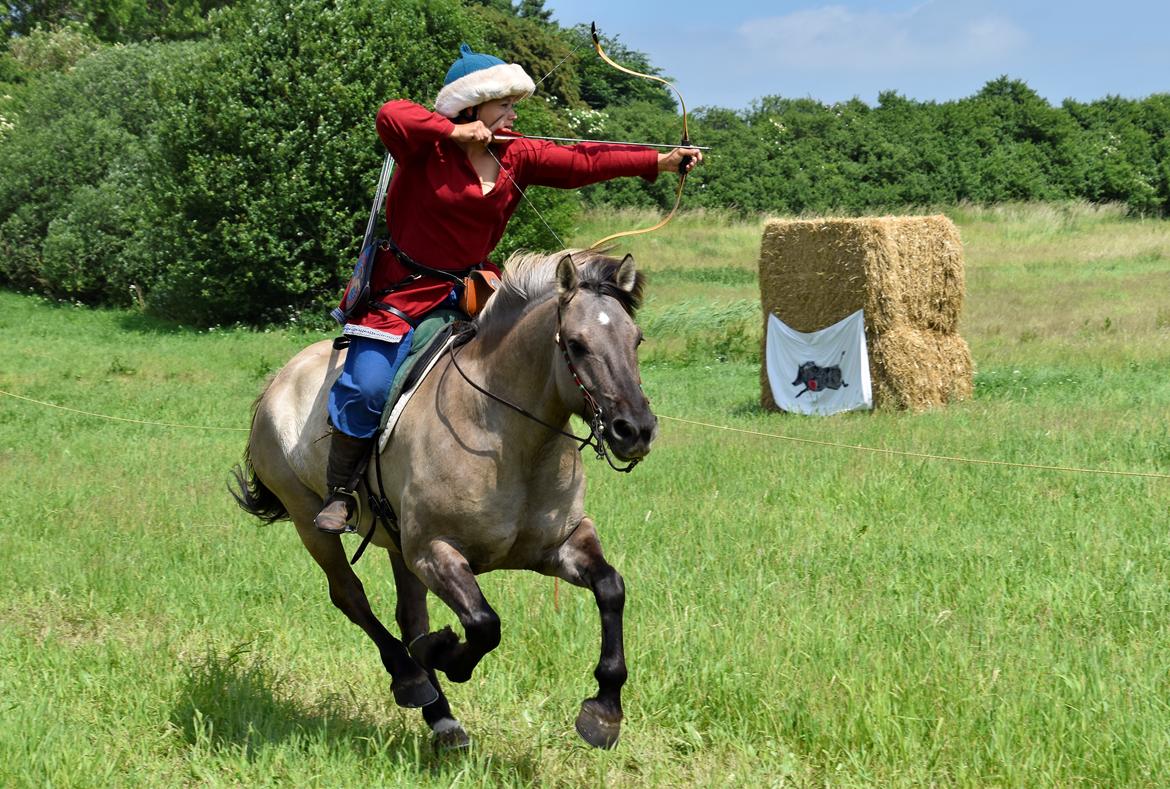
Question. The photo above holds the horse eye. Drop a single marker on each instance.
(577, 348)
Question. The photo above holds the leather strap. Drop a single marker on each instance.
(381, 305)
(409, 262)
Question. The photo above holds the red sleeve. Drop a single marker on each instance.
(406, 129)
(569, 166)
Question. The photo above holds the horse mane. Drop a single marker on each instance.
(530, 279)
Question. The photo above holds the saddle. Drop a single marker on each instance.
(431, 337)
(434, 333)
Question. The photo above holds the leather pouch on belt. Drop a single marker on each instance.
(477, 287)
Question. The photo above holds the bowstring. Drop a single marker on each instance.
(524, 197)
(492, 153)
(572, 52)
(686, 138)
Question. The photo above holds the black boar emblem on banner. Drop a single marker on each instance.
(815, 378)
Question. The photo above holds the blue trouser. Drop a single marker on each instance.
(359, 394)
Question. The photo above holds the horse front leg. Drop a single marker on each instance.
(580, 561)
(409, 682)
(447, 573)
(414, 621)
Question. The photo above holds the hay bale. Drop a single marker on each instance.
(931, 271)
(905, 272)
(814, 272)
(917, 369)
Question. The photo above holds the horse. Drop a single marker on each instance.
(482, 472)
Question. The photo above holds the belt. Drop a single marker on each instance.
(455, 276)
(381, 305)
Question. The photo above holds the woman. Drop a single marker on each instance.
(449, 202)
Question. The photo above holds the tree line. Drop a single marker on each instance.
(217, 159)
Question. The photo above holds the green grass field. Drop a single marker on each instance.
(797, 615)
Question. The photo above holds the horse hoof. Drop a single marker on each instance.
(596, 726)
(449, 736)
(431, 650)
(414, 693)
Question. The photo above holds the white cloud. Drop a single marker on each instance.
(926, 36)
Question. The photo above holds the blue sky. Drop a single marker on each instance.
(728, 52)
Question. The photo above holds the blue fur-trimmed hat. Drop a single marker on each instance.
(475, 78)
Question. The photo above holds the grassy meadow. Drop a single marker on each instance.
(797, 615)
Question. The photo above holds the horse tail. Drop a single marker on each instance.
(253, 496)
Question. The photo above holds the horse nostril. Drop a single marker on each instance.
(623, 430)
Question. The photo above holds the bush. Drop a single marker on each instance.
(1004, 144)
(228, 179)
(71, 193)
(52, 49)
(266, 155)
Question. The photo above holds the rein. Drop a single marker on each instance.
(596, 437)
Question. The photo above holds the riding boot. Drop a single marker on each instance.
(347, 463)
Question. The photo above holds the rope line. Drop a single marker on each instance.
(758, 433)
(122, 418)
(924, 455)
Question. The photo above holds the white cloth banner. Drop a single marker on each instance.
(821, 372)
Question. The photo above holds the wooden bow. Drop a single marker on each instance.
(502, 136)
(684, 143)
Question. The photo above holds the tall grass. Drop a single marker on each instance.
(798, 614)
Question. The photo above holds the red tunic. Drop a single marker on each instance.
(438, 214)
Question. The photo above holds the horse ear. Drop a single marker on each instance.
(566, 275)
(627, 274)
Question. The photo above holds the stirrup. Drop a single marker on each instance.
(353, 520)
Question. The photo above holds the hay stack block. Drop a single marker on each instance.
(905, 272)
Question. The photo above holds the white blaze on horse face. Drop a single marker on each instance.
(603, 318)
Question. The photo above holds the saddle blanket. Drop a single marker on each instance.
(822, 372)
(429, 332)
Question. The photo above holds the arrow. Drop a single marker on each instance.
(505, 136)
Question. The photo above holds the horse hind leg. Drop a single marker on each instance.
(414, 622)
(446, 572)
(580, 561)
(409, 682)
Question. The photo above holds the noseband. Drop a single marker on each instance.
(596, 437)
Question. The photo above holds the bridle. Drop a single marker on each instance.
(380, 504)
(596, 420)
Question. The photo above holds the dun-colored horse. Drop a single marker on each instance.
(476, 485)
